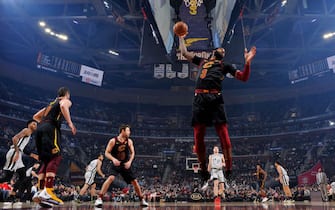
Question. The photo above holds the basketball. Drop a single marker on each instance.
(180, 28)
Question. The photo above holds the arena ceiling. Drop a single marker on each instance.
(287, 34)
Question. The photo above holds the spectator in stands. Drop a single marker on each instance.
(321, 180)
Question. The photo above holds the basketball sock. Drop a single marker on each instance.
(222, 131)
(41, 184)
(49, 182)
(199, 143)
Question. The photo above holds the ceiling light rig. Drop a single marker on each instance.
(113, 52)
(328, 35)
(283, 3)
(49, 31)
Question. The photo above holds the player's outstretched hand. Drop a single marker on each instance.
(248, 56)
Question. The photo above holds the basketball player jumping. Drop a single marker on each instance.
(208, 104)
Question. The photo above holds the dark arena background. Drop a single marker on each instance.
(122, 63)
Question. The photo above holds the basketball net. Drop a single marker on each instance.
(195, 168)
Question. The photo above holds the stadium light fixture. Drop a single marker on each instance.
(283, 3)
(113, 52)
(42, 24)
(62, 36)
(328, 35)
(49, 31)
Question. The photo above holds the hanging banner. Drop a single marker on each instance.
(308, 177)
(315, 69)
(91, 75)
(331, 62)
(193, 12)
(169, 73)
(194, 72)
(159, 70)
(184, 71)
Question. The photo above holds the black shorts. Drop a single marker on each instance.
(47, 141)
(260, 183)
(208, 109)
(127, 174)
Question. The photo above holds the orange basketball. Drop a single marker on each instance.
(180, 28)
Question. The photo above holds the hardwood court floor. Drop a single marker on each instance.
(314, 205)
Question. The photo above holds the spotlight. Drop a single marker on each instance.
(62, 36)
(106, 4)
(42, 23)
(113, 52)
(328, 35)
(283, 3)
(52, 33)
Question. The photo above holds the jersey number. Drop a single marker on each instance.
(203, 73)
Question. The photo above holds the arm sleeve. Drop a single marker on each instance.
(243, 75)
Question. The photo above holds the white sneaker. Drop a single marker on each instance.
(264, 199)
(98, 203)
(46, 204)
(48, 195)
(7, 204)
(36, 197)
(144, 203)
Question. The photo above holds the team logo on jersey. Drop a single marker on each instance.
(121, 148)
(206, 66)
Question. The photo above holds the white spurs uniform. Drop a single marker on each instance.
(285, 177)
(91, 170)
(10, 165)
(216, 167)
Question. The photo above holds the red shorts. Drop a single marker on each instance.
(51, 165)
